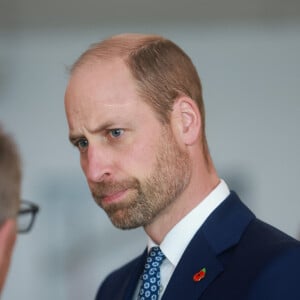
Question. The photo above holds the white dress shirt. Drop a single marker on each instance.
(178, 238)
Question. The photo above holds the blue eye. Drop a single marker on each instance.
(116, 132)
(82, 144)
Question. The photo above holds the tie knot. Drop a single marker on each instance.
(155, 257)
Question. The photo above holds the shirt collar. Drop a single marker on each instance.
(178, 238)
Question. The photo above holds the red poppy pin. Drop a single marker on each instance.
(199, 275)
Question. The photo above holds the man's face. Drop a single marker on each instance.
(133, 164)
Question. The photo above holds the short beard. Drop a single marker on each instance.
(148, 198)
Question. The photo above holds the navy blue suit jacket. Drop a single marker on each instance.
(244, 259)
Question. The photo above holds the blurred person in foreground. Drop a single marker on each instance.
(16, 216)
(10, 186)
(135, 112)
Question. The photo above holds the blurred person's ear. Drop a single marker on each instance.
(8, 233)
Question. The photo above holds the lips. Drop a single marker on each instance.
(109, 192)
(112, 197)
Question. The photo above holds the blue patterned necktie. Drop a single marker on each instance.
(151, 276)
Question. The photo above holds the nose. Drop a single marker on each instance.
(96, 164)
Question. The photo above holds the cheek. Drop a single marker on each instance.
(141, 160)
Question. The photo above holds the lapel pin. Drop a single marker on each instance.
(199, 275)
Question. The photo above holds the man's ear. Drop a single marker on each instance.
(186, 119)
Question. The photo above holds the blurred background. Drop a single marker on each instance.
(247, 55)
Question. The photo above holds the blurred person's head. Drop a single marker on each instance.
(10, 186)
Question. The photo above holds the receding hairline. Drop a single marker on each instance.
(116, 46)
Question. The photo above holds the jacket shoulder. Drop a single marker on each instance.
(263, 239)
(278, 267)
(263, 265)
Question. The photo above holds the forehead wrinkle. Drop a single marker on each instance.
(116, 104)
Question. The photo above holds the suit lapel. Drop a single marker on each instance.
(195, 258)
(222, 230)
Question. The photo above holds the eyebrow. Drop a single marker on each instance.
(74, 137)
